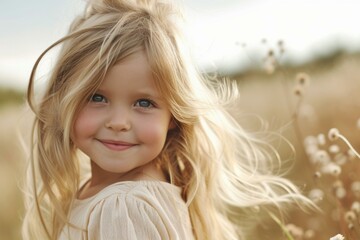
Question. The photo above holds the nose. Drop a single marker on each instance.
(119, 120)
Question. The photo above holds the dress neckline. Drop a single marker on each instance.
(127, 183)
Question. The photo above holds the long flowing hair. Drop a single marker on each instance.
(224, 171)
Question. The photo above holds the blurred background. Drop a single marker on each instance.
(298, 67)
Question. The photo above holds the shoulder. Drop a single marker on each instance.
(138, 210)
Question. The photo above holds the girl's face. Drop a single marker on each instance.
(124, 125)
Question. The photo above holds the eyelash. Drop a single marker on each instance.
(151, 103)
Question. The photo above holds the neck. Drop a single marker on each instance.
(149, 171)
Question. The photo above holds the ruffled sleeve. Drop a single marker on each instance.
(131, 216)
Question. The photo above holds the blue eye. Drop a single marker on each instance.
(144, 103)
(97, 98)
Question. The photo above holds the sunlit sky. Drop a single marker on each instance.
(217, 30)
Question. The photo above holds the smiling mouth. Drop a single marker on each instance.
(117, 145)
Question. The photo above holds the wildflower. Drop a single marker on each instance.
(355, 206)
(270, 63)
(321, 139)
(317, 174)
(350, 217)
(316, 194)
(310, 140)
(311, 149)
(350, 226)
(321, 157)
(310, 144)
(303, 79)
(270, 53)
(280, 43)
(332, 169)
(355, 188)
(298, 91)
(338, 237)
(335, 170)
(334, 148)
(281, 46)
(333, 134)
(340, 193)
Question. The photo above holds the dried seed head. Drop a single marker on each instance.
(270, 64)
(334, 148)
(332, 169)
(321, 157)
(310, 140)
(355, 187)
(317, 174)
(298, 90)
(350, 226)
(350, 217)
(281, 46)
(303, 79)
(271, 53)
(340, 193)
(311, 149)
(321, 139)
(333, 134)
(281, 43)
(335, 170)
(338, 237)
(316, 195)
(355, 207)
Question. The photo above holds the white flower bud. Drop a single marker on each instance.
(338, 237)
(333, 134)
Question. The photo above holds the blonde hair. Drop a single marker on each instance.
(222, 169)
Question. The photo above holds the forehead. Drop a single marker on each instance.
(130, 74)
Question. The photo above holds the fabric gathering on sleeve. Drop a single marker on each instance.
(133, 210)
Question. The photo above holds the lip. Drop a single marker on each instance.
(116, 145)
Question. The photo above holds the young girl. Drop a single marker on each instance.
(168, 161)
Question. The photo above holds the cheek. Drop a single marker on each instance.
(153, 130)
(85, 124)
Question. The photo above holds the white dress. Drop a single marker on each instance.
(130, 210)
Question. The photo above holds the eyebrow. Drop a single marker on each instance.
(148, 92)
(145, 92)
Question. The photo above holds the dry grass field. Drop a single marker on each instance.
(302, 113)
(12, 162)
